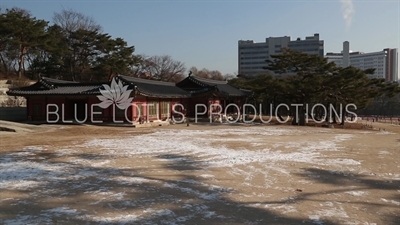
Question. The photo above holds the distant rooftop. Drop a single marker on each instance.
(315, 37)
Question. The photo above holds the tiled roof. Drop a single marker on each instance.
(144, 87)
(66, 90)
(246, 92)
(50, 82)
(222, 87)
(56, 81)
(49, 86)
(153, 88)
(150, 88)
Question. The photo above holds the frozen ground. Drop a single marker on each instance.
(201, 175)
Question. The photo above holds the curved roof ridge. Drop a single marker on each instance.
(206, 80)
(145, 81)
(57, 81)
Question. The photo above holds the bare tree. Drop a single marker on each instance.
(79, 31)
(216, 75)
(230, 76)
(71, 21)
(162, 68)
(209, 74)
(140, 67)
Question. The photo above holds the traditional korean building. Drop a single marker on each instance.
(142, 100)
(59, 97)
(207, 92)
(161, 98)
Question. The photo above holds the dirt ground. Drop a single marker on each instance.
(201, 174)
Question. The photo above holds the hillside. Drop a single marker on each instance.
(11, 101)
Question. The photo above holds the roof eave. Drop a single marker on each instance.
(49, 94)
(152, 95)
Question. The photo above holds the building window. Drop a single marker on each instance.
(153, 108)
(165, 108)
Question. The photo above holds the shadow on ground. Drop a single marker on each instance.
(73, 192)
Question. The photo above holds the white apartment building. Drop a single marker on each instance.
(252, 56)
(384, 62)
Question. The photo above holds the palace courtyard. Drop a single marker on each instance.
(201, 174)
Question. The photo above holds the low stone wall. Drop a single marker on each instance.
(13, 113)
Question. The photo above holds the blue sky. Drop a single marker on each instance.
(205, 33)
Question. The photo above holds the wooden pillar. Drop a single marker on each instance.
(224, 105)
(159, 109)
(146, 110)
(27, 109)
(45, 109)
(88, 111)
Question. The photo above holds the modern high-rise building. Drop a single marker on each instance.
(252, 56)
(384, 62)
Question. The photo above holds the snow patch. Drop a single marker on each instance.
(384, 153)
(120, 219)
(356, 193)
(391, 201)
(200, 144)
(332, 212)
(61, 210)
(282, 208)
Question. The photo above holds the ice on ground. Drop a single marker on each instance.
(337, 212)
(60, 210)
(284, 208)
(384, 153)
(385, 132)
(120, 219)
(19, 174)
(357, 193)
(200, 144)
(207, 148)
(390, 201)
